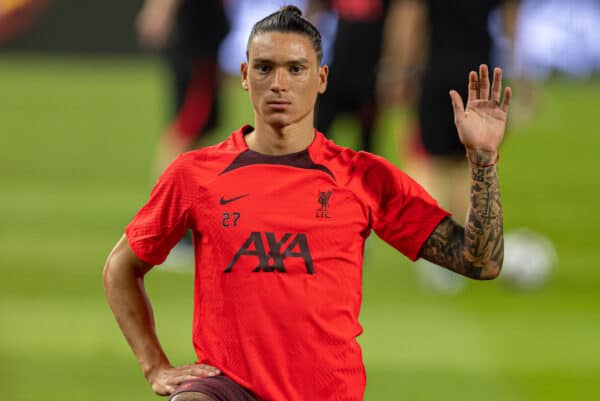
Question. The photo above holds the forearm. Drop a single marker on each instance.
(476, 250)
(483, 246)
(124, 289)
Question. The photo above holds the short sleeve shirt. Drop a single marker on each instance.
(279, 250)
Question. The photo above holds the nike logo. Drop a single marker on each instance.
(224, 201)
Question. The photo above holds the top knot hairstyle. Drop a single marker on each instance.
(288, 20)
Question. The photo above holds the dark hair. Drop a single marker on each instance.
(289, 20)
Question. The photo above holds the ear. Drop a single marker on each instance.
(323, 74)
(244, 75)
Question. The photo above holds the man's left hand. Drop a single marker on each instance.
(481, 125)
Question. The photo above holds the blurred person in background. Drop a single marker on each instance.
(189, 33)
(280, 215)
(429, 47)
(356, 52)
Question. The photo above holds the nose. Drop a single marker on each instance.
(279, 82)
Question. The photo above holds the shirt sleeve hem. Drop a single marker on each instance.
(428, 228)
(137, 248)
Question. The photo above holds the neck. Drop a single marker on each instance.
(280, 140)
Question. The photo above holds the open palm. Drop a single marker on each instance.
(481, 125)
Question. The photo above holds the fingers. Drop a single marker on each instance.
(175, 381)
(195, 371)
(497, 91)
(497, 85)
(479, 88)
(164, 389)
(204, 370)
(473, 87)
(171, 378)
(484, 82)
(457, 105)
(190, 374)
(506, 101)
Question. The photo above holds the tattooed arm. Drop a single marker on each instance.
(477, 250)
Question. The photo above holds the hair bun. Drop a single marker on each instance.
(291, 9)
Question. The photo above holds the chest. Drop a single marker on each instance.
(282, 216)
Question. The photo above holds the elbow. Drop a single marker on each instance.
(108, 271)
(490, 272)
(114, 268)
(483, 270)
(491, 269)
(122, 265)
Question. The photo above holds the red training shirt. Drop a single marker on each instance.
(279, 250)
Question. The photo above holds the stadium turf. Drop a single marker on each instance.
(76, 140)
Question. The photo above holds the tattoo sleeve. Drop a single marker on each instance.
(477, 250)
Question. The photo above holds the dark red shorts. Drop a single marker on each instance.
(219, 388)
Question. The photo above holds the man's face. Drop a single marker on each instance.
(283, 77)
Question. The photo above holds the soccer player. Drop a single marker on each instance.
(280, 215)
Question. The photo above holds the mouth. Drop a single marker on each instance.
(278, 104)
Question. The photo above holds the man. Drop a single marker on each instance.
(280, 215)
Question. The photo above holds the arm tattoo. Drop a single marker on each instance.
(477, 250)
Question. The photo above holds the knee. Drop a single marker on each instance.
(191, 396)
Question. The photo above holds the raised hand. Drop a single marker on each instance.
(481, 124)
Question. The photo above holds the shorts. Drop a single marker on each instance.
(219, 388)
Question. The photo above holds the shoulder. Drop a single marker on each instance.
(351, 166)
(345, 161)
(378, 169)
(367, 174)
(347, 158)
(208, 161)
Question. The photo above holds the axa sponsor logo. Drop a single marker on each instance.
(272, 251)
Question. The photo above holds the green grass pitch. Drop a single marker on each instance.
(76, 140)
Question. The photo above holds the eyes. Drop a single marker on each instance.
(263, 68)
(294, 69)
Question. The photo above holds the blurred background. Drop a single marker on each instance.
(85, 96)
